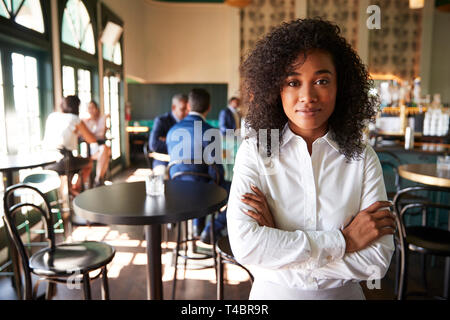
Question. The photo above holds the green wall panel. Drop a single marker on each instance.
(151, 100)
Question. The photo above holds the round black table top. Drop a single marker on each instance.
(128, 204)
(12, 162)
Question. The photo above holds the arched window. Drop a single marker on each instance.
(77, 27)
(27, 13)
(113, 54)
(3, 143)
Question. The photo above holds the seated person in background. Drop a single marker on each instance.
(162, 125)
(62, 130)
(96, 123)
(199, 106)
(229, 117)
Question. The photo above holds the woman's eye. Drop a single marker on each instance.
(293, 83)
(322, 81)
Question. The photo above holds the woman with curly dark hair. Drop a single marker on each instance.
(307, 208)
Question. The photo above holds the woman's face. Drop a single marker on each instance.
(92, 109)
(308, 94)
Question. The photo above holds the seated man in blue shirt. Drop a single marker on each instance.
(187, 141)
(163, 123)
(229, 117)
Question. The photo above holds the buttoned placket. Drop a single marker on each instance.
(309, 187)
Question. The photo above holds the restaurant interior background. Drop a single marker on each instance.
(132, 55)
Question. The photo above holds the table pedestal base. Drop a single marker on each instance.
(154, 269)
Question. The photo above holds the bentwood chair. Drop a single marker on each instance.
(421, 238)
(49, 183)
(57, 263)
(225, 255)
(192, 175)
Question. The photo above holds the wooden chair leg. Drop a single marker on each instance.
(50, 292)
(177, 248)
(16, 270)
(220, 278)
(87, 286)
(402, 287)
(214, 240)
(447, 277)
(423, 265)
(397, 269)
(186, 246)
(105, 286)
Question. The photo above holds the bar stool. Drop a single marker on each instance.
(186, 240)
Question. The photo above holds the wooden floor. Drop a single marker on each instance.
(127, 271)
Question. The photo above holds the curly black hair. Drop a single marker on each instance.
(272, 59)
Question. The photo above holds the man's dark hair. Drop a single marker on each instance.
(71, 104)
(232, 99)
(199, 100)
(273, 58)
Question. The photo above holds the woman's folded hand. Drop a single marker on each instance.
(369, 225)
(261, 211)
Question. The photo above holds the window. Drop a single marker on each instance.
(84, 91)
(27, 13)
(111, 94)
(113, 54)
(77, 27)
(3, 146)
(26, 135)
(78, 81)
(68, 81)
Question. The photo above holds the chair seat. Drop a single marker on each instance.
(428, 240)
(68, 258)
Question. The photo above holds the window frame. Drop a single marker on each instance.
(44, 77)
(109, 69)
(68, 50)
(17, 33)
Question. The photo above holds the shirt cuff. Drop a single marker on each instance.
(334, 248)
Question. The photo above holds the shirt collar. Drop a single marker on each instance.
(194, 113)
(288, 135)
(232, 109)
(174, 116)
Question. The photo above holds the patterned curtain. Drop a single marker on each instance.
(395, 48)
(260, 17)
(342, 12)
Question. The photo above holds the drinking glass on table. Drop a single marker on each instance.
(154, 184)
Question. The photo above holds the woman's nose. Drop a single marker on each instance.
(307, 94)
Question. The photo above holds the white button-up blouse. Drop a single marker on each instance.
(311, 197)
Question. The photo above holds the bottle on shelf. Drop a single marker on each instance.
(409, 138)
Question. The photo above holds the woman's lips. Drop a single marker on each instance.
(308, 112)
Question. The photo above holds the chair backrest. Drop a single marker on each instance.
(387, 178)
(420, 205)
(192, 173)
(47, 181)
(146, 151)
(390, 161)
(39, 203)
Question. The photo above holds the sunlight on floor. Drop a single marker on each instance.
(132, 252)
